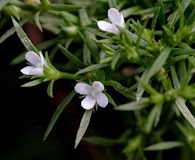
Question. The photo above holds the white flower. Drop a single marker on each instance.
(36, 64)
(93, 94)
(116, 18)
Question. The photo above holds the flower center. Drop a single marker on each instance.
(94, 92)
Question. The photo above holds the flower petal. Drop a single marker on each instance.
(33, 58)
(102, 100)
(43, 61)
(31, 70)
(36, 71)
(26, 70)
(108, 27)
(83, 88)
(122, 22)
(115, 16)
(88, 102)
(98, 86)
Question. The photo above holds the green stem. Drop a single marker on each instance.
(64, 75)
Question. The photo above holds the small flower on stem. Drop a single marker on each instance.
(93, 94)
(116, 18)
(36, 64)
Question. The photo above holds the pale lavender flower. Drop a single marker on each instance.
(93, 94)
(36, 64)
(116, 18)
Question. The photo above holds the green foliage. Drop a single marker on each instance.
(147, 69)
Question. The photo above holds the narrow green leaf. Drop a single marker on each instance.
(175, 79)
(155, 18)
(115, 60)
(69, 17)
(87, 39)
(23, 37)
(86, 55)
(147, 86)
(159, 62)
(57, 113)
(182, 70)
(50, 88)
(112, 4)
(127, 92)
(164, 146)
(102, 44)
(92, 67)
(130, 11)
(112, 83)
(135, 105)
(176, 59)
(63, 7)
(173, 18)
(83, 126)
(140, 89)
(37, 21)
(10, 10)
(133, 37)
(167, 31)
(139, 34)
(162, 12)
(103, 141)
(110, 99)
(32, 83)
(156, 66)
(3, 3)
(44, 3)
(153, 117)
(187, 73)
(191, 18)
(183, 52)
(84, 18)
(71, 57)
(180, 102)
(52, 23)
(191, 59)
(46, 44)
(96, 32)
(11, 31)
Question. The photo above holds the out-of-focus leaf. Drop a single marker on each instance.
(180, 102)
(23, 37)
(103, 141)
(135, 105)
(164, 146)
(32, 83)
(3, 3)
(63, 7)
(91, 68)
(83, 126)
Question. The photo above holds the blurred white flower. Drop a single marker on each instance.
(116, 18)
(36, 64)
(93, 94)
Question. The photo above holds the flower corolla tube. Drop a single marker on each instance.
(36, 64)
(93, 94)
(116, 18)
